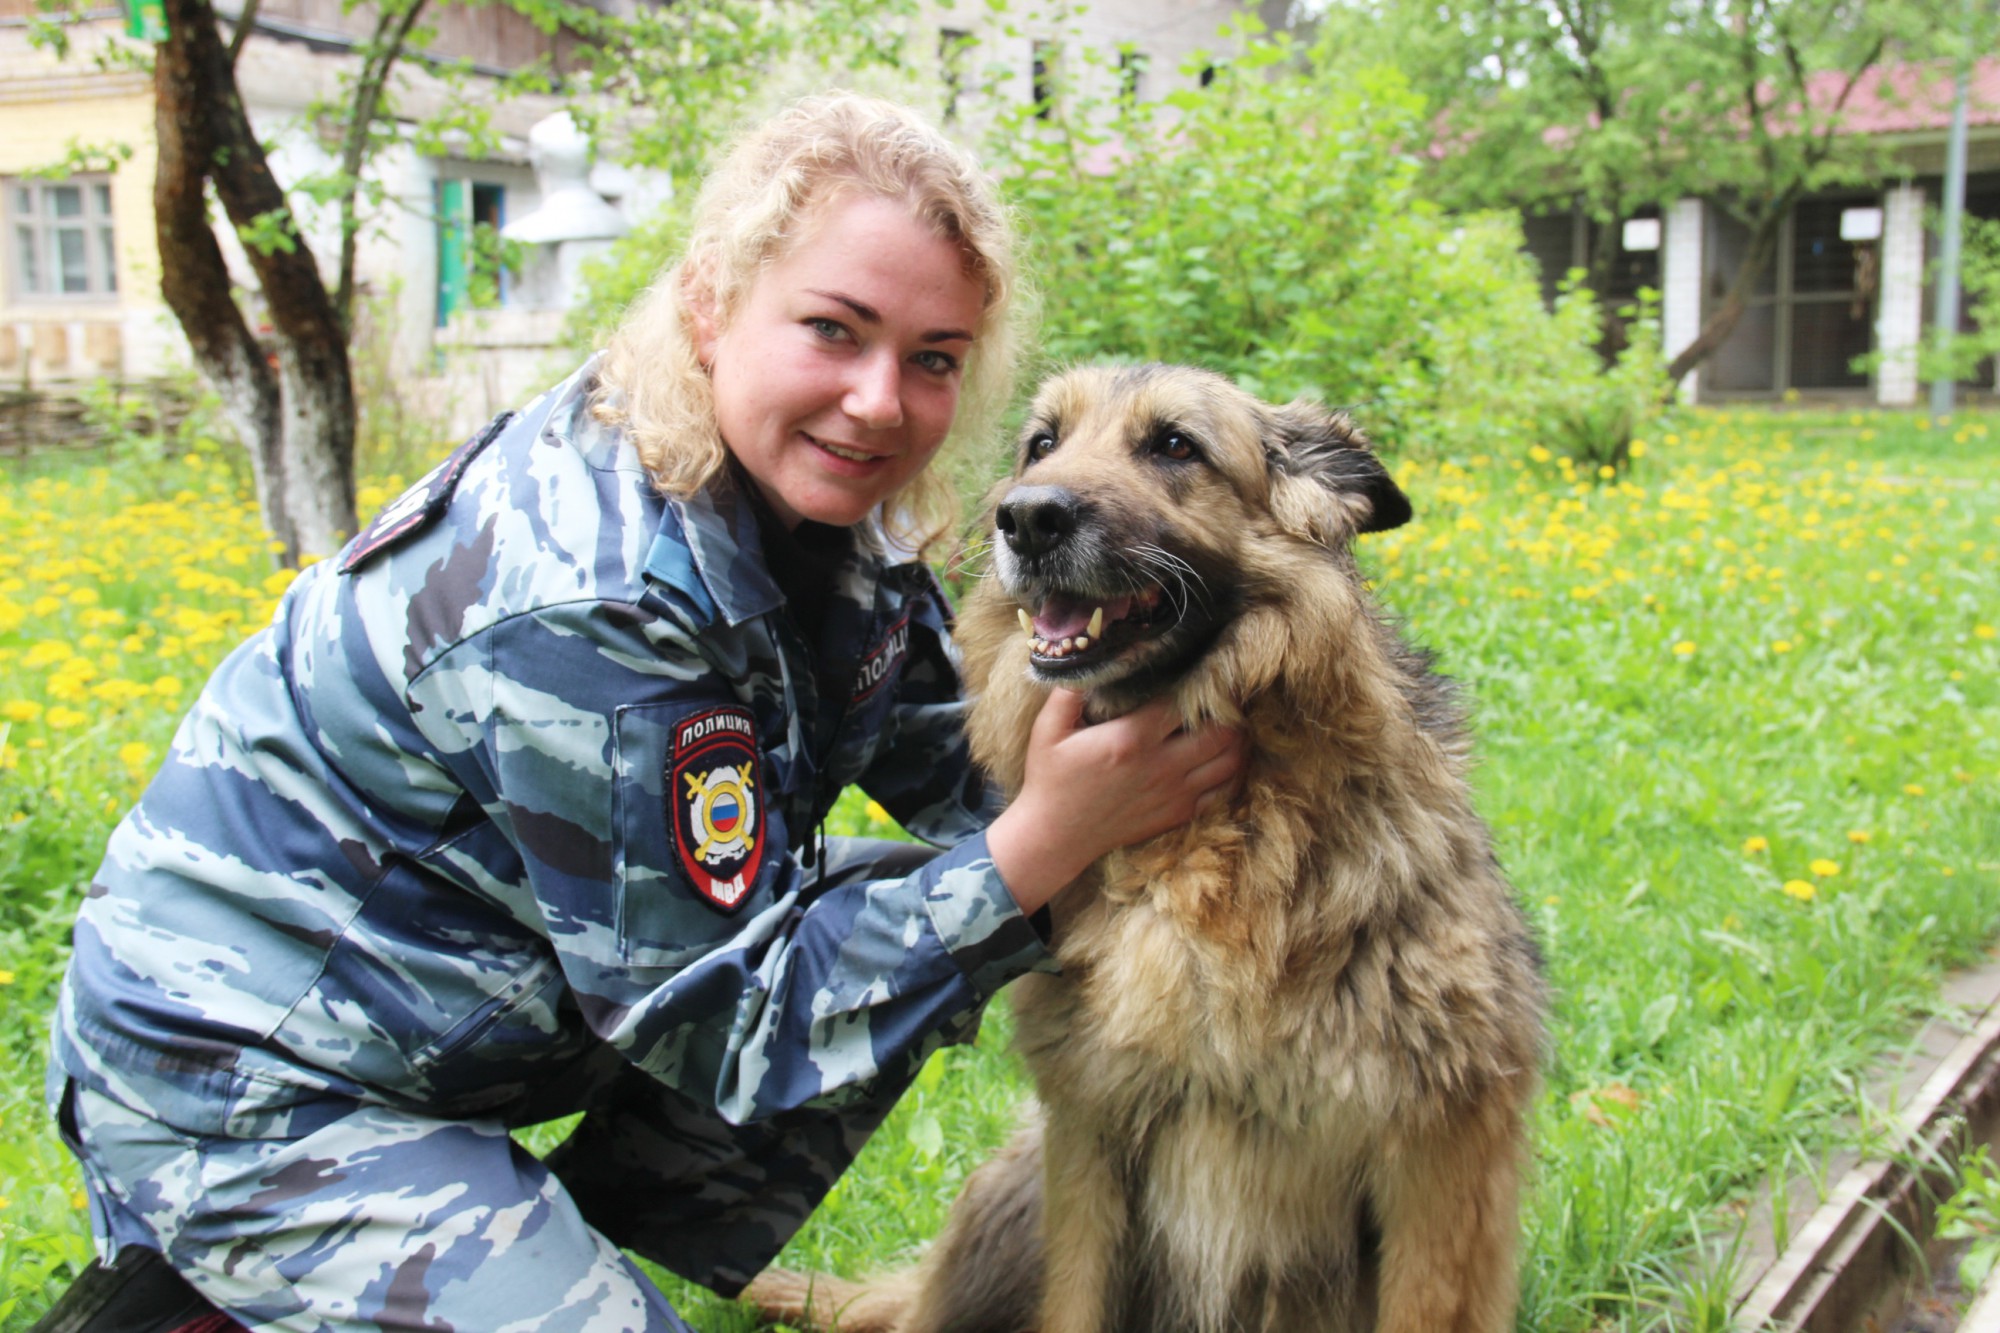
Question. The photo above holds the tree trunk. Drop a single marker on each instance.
(1715, 330)
(297, 415)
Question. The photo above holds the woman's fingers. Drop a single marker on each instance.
(1218, 768)
(1061, 714)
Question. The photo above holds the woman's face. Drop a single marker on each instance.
(837, 378)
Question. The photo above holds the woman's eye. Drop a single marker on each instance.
(1040, 445)
(829, 329)
(938, 363)
(1176, 446)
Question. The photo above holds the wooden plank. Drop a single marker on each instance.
(1847, 1265)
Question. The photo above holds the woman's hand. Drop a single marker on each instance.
(1090, 790)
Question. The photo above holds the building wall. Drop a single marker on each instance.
(1080, 45)
(47, 109)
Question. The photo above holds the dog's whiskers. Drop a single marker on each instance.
(963, 562)
(1186, 584)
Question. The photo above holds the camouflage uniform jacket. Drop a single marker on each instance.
(524, 774)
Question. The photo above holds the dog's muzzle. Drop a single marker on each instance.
(1083, 606)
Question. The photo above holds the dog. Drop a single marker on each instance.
(1284, 1070)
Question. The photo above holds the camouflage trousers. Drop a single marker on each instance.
(365, 1216)
(380, 1219)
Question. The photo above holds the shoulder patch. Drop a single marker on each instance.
(715, 803)
(420, 505)
(881, 664)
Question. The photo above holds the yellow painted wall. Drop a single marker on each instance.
(45, 108)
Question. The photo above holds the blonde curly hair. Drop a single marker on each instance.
(758, 202)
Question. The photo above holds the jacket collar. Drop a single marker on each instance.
(710, 550)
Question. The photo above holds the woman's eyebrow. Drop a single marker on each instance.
(868, 314)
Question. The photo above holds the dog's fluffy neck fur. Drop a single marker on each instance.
(1361, 813)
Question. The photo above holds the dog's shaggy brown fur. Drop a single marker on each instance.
(1284, 1068)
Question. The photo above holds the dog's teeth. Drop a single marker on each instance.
(1027, 622)
(1096, 623)
(1068, 644)
(1082, 642)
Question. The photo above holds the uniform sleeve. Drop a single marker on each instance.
(563, 725)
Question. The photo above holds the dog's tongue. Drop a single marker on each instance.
(1064, 618)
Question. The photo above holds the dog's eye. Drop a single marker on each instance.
(1040, 445)
(1175, 445)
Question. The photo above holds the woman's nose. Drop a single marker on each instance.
(875, 393)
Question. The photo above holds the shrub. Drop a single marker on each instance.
(1272, 227)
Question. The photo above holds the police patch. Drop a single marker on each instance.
(716, 803)
(415, 508)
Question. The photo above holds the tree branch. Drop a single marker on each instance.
(392, 31)
(246, 21)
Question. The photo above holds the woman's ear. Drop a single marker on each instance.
(698, 298)
(1327, 485)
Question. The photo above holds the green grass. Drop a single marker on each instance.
(1690, 685)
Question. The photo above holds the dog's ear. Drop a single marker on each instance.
(1327, 485)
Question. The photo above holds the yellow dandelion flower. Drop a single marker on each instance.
(1823, 867)
(21, 710)
(167, 686)
(62, 718)
(1985, 631)
(1553, 900)
(1685, 648)
(1755, 844)
(1781, 645)
(46, 653)
(1539, 454)
(1800, 889)
(135, 754)
(1946, 871)
(1638, 449)
(1858, 835)
(6, 977)
(1913, 789)
(877, 813)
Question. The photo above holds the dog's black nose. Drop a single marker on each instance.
(1035, 519)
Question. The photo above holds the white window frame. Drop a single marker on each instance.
(35, 273)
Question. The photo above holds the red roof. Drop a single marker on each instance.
(1901, 99)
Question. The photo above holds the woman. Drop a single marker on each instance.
(511, 812)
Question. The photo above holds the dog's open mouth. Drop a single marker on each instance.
(1071, 633)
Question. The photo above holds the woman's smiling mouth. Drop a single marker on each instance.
(842, 452)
